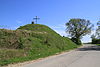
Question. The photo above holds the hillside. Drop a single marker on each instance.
(30, 42)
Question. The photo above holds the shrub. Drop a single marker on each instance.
(95, 41)
(77, 41)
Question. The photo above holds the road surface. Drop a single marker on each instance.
(87, 56)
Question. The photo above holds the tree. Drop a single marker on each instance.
(96, 37)
(77, 28)
(98, 31)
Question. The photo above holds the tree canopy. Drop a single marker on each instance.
(98, 31)
(77, 28)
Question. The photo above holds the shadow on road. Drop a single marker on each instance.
(89, 48)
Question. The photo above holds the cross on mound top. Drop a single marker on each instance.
(36, 18)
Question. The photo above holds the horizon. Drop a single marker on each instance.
(53, 13)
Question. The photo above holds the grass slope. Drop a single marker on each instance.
(98, 44)
(29, 42)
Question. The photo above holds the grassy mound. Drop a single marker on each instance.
(30, 42)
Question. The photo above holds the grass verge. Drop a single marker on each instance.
(98, 44)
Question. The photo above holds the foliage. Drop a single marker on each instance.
(29, 42)
(77, 28)
(95, 41)
(98, 44)
(76, 40)
(96, 37)
(98, 31)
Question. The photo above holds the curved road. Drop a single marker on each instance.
(87, 56)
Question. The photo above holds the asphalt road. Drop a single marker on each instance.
(87, 56)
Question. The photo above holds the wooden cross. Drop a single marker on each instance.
(36, 18)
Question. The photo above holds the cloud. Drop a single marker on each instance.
(58, 26)
(93, 32)
(86, 39)
(60, 29)
(18, 21)
(61, 32)
(13, 28)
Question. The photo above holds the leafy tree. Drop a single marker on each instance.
(77, 28)
(98, 31)
(96, 37)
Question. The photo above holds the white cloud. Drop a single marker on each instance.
(18, 21)
(93, 32)
(86, 39)
(61, 32)
(60, 29)
(58, 26)
(13, 28)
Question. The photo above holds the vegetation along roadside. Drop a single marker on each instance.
(30, 42)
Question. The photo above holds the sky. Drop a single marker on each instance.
(53, 13)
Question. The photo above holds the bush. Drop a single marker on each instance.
(76, 40)
(95, 41)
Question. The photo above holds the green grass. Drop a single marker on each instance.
(98, 44)
(30, 42)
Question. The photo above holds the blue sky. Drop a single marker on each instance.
(53, 13)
